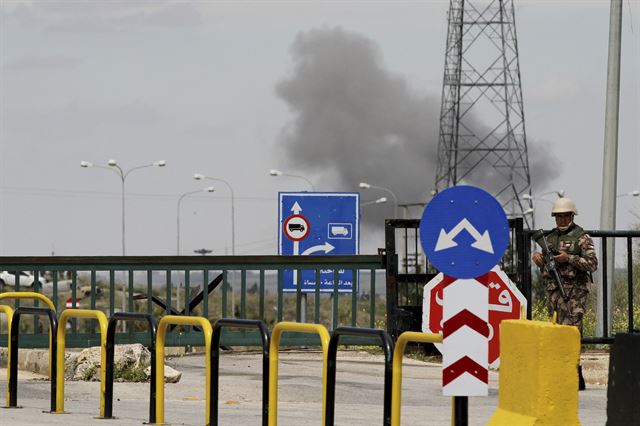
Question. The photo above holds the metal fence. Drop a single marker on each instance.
(246, 287)
(389, 288)
(408, 270)
(601, 279)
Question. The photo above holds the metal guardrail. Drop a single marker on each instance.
(61, 344)
(398, 354)
(13, 353)
(160, 339)
(9, 314)
(110, 352)
(215, 363)
(387, 346)
(274, 347)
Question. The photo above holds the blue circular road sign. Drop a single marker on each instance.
(464, 231)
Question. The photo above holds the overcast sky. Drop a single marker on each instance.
(234, 89)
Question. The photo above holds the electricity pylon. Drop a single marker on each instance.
(482, 137)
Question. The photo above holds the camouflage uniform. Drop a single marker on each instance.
(575, 273)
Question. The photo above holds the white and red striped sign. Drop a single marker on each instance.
(505, 302)
(465, 333)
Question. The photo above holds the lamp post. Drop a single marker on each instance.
(634, 193)
(200, 176)
(274, 172)
(365, 185)
(115, 167)
(380, 200)
(185, 194)
(208, 189)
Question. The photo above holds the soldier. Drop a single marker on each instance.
(575, 260)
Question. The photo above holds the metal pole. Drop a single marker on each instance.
(610, 158)
(461, 410)
(124, 298)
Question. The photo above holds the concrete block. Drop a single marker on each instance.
(623, 404)
(538, 374)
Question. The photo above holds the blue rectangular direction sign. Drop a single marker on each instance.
(316, 223)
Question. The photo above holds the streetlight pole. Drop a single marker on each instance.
(208, 189)
(114, 167)
(274, 172)
(365, 185)
(200, 176)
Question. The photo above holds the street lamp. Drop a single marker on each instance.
(274, 172)
(365, 185)
(114, 167)
(634, 193)
(200, 176)
(380, 200)
(208, 189)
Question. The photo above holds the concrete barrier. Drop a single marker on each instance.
(624, 381)
(538, 374)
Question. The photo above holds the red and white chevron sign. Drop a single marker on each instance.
(465, 333)
(505, 302)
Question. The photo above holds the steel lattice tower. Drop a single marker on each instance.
(482, 134)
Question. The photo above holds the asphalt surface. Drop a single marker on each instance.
(359, 394)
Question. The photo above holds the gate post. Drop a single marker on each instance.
(391, 268)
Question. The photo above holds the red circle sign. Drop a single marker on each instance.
(296, 227)
(505, 302)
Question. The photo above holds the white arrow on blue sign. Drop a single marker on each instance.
(315, 223)
(464, 231)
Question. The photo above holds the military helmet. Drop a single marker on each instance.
(564, 205)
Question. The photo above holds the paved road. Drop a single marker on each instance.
(359, 394)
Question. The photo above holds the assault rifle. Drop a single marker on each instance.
(549, 261)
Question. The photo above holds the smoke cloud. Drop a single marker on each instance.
(354, 120)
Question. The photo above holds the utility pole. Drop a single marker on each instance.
(610, 162)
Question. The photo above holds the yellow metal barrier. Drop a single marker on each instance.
(398, 354)
(62, 325)
(276, 334)
(207, 330)
(31, 296)
(9, 313)
(28, 295)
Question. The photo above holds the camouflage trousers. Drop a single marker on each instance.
(571, 311)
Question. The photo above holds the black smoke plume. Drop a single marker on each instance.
(355, 120)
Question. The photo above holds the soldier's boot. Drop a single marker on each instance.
(581, 384)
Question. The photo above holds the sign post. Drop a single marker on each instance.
(464, 233)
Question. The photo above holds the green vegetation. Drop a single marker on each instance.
(88, 373)
(130, 374)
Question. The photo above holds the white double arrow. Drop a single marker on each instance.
(445, 239)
